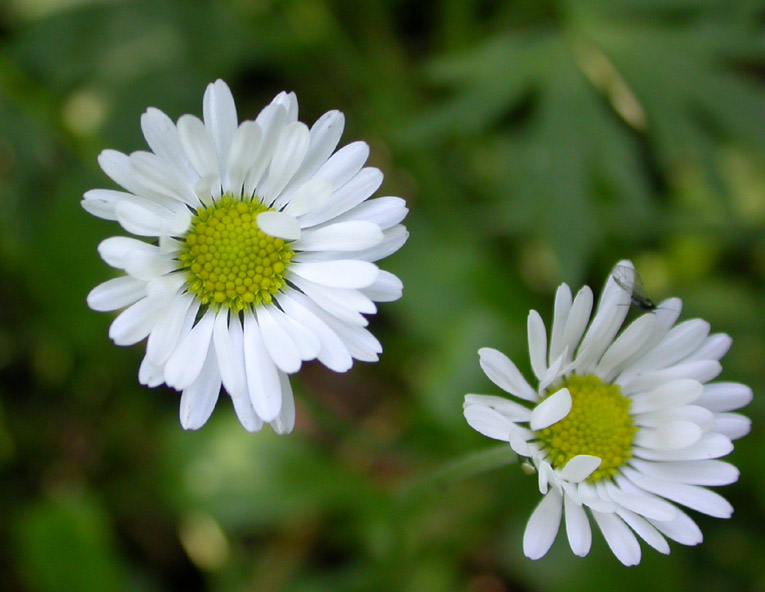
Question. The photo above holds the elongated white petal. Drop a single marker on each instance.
(562, 307)
(578, 528)
(277, 341)
(135, 322)
(537, 343)
(346, 305)
(488, 422)
(640, 503)
(542, 527)
(347, 273)
(645, 531)
(551, 410)
(385, 211)
(725, 396)
(682, 529)
(386, 288)
(219, 112)
(619, 537)
(185, 363)
(199, 398)
(262, 375)
(163, 139)
(733, 425)
(671, 394)
(310, 197)
(199, 146)
(510, 409)
(343, 236)
(167, 331)
(710, 446)
(699, 472)
(150, 171)
(346, 196)
(244, 152)
(271, 121)
(229, 350)
(673, 435)
(332, 353)
(502, 372)
(580, 467)
(287, 158)
(285, 421)
(692, 496)
(279, 225)
(116, 293)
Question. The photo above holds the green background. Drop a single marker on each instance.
(535, 142)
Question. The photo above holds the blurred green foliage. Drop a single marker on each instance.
(536, 142)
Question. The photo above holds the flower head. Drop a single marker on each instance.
(620, 427)
(261, 251)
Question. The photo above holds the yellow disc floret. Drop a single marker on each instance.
(228, 260)
(599, 424)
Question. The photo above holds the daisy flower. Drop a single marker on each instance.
(620, 428)
(260, 254)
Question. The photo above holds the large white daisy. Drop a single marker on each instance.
(619, 428)
(261, 251)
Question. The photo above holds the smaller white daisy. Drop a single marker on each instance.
(620, 428)
(261, 255)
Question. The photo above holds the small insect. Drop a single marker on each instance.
(630, 281)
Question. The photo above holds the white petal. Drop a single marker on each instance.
(700, 416)
(114, 250)
(245, 413)
(324, 136)
(386, 212)
(345, 273)
(543, 526)
(699, 472)
(279, 225)
(285, 421)
(150, 374)
(277, 341)
(167, 331)
(310, 197)
(152, 172)
(344, 163)
(577, 320)
(672, 435)
(103, 202)
(645, 531)
(116, 293)
(537, 343)
(551, 410)
(682, 529)
(361, 344)
(117, 166)
(271, 121)
(670, 395)
(219, 112)
(333, 353)
(229, 350)
(287, 158)
(712, 445)
(245, 150)
(714, 348)
(580, 467)
(343, 236)
(502, 372)
(262, 375)
(386, 288)
(642, 504)
(577, 528)
(701, 371)
(198, 399)
(305, 341)
(488, 422)
(560, 317)
(345, 197)
(625, 346)
(604, 327)
(343, 304)
(163, 139)
(148, 265)
(725, 396)
(619, 537)
(519, 445)
(692, 496)
(199, 146)
(135, 322)
(393, 239)
(138, 220)
(733, 425)
(508, 408)
(679, 343)
(185, 363)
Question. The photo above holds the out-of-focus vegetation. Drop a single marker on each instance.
(536, 142)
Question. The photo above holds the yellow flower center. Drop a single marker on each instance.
(228, 260)
(599, 424)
